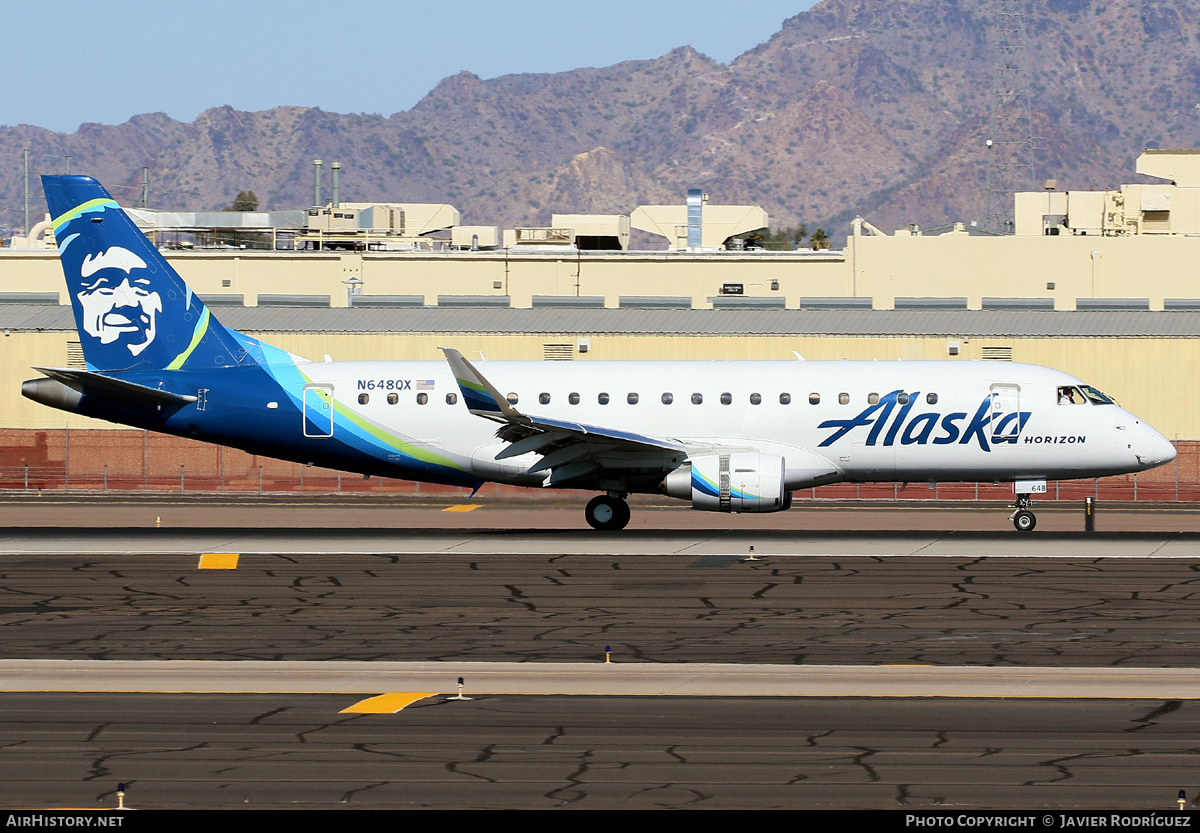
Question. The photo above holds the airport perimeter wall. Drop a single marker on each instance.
(83, 460)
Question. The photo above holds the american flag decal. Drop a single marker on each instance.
(425, 384)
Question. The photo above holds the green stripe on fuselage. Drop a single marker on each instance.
(385, 437)
(388, 438)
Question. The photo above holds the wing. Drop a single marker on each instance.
(571, 451)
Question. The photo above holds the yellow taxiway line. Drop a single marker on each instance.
(218, 561)
(387, 703)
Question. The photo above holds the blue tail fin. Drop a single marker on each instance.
(132, 309)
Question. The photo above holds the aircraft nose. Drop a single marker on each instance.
(1156, 450)
(1164, 449)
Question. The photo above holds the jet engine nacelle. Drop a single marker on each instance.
(740, 481)
(51, 392)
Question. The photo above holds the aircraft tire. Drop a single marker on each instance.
(623, 514)
(605, 513)
(1024, 521)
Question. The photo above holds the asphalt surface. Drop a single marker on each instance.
(563, 511)
(922, 594)
(301, 752)
(827, 610)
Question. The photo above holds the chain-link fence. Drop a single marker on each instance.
(121, 460)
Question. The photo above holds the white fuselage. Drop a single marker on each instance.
(864, 421)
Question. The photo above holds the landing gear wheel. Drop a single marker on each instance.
(1024, 520)
(604, 512)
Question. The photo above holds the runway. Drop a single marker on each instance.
(895, 667)
(1089, 610)
(293, 751)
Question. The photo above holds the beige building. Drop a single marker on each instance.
(1168, 208)
(1111, 297)
(1135, 248)
(884, 272)
(1138, 357)
(717, 223)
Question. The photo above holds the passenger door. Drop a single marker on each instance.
(318, 411)
(1006, 413)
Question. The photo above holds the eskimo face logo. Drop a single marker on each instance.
(118, 306)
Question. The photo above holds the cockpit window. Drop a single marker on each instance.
(1070, 395)
(1096, 397)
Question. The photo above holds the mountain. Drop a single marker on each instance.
(853, 107)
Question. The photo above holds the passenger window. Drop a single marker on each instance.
(573, 398)
(632, 399)
(393, 398)
(814, 399)
(422, 399)
(452, 399)
(931, 398)
(755, 399)
(512, 399)
(902, 399)
(785, 399)
(544, 398)
(843, 399)
(364, 398)
(667, 398)
(872, 399)
(727, 399)
(697, 398)
(602, 399)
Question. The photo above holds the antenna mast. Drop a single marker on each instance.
(1009, 140)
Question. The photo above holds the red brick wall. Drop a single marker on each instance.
(139, 460)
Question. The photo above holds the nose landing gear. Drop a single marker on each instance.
(1023, 519)
(607, 512)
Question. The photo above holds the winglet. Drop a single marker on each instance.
(481, 398)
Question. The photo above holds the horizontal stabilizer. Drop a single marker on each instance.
(96, 384)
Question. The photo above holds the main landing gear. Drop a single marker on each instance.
(1023, 519)
(607, 512)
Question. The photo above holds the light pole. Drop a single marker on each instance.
(353, 287)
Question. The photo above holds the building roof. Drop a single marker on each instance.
(723, 322)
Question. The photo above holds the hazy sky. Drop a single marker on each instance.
(105, 62)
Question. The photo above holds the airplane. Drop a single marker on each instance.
(725, 436)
